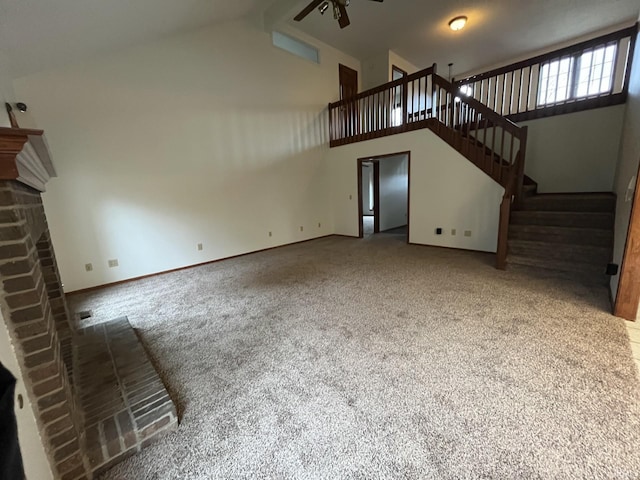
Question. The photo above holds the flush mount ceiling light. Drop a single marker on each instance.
(458, 23)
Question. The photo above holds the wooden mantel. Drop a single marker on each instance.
(25, 157)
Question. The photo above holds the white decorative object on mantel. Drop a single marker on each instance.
(34, 163)
(25, 157)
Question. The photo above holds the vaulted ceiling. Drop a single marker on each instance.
(37, 35)
(497, 30)
(41, 34)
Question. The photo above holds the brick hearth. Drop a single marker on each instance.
(124, 402)
(95, 394)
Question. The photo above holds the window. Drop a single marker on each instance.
(595, 71)
(587, 74)
(295, 46)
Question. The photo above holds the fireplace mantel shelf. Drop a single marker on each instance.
(25, 157)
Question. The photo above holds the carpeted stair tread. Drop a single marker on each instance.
(583, 202)
(564, 235)
(603, 220)
(529, 189)
(583, 270)
(562, 252)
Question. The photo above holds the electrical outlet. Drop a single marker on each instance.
(88, 267)
(438, 231)
(301, 228)
(453, 231)
(467, 233)
(199, 246)
(113, 263)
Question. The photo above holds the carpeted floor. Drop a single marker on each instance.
(346, 358)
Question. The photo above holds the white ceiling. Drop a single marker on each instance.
(41, 34)
(498, 30)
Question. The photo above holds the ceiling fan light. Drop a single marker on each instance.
(323, 8)
(458, 23)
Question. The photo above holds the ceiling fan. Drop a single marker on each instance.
(339, 10)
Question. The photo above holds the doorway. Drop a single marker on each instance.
(348, 79)
(383, 195)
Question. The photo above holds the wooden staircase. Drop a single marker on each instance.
(565, 232)
(570, 232)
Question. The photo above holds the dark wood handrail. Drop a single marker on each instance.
(386, 86)
(492, 115)
(561, 52)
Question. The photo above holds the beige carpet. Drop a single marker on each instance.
(347, 358)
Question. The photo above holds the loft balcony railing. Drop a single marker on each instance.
(395, 107)
(587, 75)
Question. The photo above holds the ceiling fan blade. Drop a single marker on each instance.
(344, 17)
(307, 10)
(380, 1)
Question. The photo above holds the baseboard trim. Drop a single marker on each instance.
(164, 272)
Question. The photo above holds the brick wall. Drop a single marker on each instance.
(34, 309)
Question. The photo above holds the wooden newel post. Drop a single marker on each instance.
(520, 172)
(503, 230)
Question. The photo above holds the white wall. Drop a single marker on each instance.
(576, 152)
(34, 458)
(6, 90)
(627, 167)
(402, 63)
(446, 190)
(213, 137)
(377, 69)
(367, 178)
(394, 191)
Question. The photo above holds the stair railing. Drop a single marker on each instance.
(486, 138)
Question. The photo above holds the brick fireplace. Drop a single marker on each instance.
(81, 436)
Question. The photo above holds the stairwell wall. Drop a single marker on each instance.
(445, 190)
(575, 152)
(627, 168)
